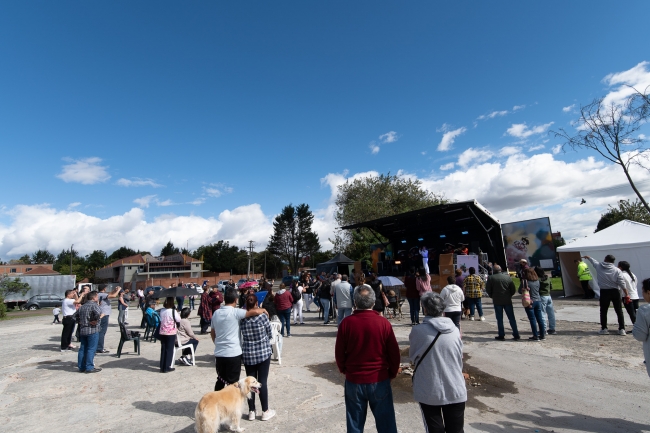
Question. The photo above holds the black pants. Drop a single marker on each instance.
(228, 371)
(631, 309)
(204, 325)
(166, 351)
(66, 333)
(449, 418)
(455, 317)
(193, 342)
(261, 373)
(589, 294)
(613, 295)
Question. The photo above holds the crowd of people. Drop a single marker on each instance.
(366, 349)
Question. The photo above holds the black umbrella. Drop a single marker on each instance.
(176, 291)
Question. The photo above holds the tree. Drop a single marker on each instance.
(169, 250)
(220, 257)
(370, 198)
(41, 257)
(95, 260)
(63, 261)
(611, 129)
(293, 237)
(121, 253)
(626, 210)
(25, 259)
(9, 286)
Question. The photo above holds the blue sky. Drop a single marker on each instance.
(135, 123)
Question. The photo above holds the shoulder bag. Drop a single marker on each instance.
(525, 294)
(423, 355)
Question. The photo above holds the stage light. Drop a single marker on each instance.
(420, 239)
(443, 236)
(403, 242)
(464, 232)
(397, 262)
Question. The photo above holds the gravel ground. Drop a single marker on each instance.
(576, 381)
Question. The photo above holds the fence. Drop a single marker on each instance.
(212, 279)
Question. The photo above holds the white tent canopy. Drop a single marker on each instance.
(626, 240)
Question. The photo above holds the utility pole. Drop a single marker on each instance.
(71, 247)
(250, 255)
(264, 264)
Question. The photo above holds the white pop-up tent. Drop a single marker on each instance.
(626, 240)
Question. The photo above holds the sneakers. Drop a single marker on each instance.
(533, 338)
(516, 338)
(482, 319)
(551, 332)
(184, 360)
(471, 318)
(500, 338)
(622, 332)
(103, 351)
(251, 415)
(268, 415)
(288, 335)
(603, 332)
(94, 370)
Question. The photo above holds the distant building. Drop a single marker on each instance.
(20, 269)
(140, 268)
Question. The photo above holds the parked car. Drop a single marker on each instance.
(222, 284)
(43, 301)
(289, 279)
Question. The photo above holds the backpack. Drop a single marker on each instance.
(295, 294)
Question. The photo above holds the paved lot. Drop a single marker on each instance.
(576, 381)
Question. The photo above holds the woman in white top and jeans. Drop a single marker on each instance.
(631, 284)
(167, 334)
(453, 297)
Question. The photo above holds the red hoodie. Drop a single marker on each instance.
(366, 348)
(283, 301)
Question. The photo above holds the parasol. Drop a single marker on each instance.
(175, 291)
(390, 281)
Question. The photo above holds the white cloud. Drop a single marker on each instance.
(537, 147)
(41, 226)
(216, 190)
(74, 205)
(473, 156)
(557, 149)
(87, 171)
(423, 152)
(568, 108)
(522, 131)
(493, 114)
(642, 137)
(167, 202)
(447, 166)
(637, 78)
(136, 181)
(374, 148)
(144, 201)
(509, 150)
(198, 201)
(518, 107)
(389, 137)
(449, 137)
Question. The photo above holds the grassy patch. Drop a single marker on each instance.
(555, 281)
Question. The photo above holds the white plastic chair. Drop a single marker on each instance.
(186, 346)
(276, 340)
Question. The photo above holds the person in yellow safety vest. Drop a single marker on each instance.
(584, 275)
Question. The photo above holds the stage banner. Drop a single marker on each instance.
(530, 240)
(465, 262)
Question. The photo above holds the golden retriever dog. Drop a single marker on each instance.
(218, 406)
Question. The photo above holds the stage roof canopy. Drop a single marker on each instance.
(454, 223)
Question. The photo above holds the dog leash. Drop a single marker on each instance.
(219, 378)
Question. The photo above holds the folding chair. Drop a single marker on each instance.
(124, 337)
(276, 340)
(185, 346)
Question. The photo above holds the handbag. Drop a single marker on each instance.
(525, 295)
(423, 355)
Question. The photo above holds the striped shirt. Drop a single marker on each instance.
(473, 286)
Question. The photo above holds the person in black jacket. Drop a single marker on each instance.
(501, 289)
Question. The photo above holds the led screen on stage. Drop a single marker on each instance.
(530, 240)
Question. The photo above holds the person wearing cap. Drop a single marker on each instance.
(584, 275)
(523, 264)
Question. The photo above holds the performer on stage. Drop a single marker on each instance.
(425, 258)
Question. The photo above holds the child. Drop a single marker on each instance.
(56, 311)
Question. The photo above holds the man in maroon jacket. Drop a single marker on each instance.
(368, 354)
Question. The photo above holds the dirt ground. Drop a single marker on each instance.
(576, 381)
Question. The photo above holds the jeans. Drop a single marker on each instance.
(180, 300)
(166, 351)
(66, 333)
(380, 398)
(631, 309)
(103, 327)
(455, 317)
(343, 313)
(120, 316)
(510, 312)
(536, 317)
(87, 349)
(191, 302)
(475, 302)
(228, 371)
(261, 373)
(549, 312)
(317, 302)
(193, 342)
(285, 319)
(414, 308)
(613, 295)
(449, 418)
(326, 310)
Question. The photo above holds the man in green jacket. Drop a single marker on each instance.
(501, 289)
(584, 275)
